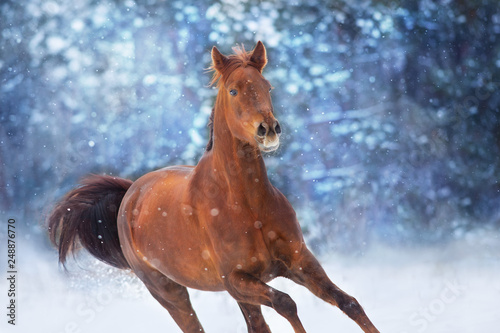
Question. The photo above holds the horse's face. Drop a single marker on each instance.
(249, 111)
(250, 116)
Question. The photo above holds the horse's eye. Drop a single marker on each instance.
(233, 92)
(270, 89)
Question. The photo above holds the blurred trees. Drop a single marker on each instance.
(390, 108)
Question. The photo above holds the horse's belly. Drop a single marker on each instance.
(187, 267)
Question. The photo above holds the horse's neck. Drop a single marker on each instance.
(242, 165)
(235, 165)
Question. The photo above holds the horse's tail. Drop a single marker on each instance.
(88, 215)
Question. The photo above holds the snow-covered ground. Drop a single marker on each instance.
(448, 288)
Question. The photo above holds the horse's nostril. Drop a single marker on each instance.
(261, 131)
(277, 128)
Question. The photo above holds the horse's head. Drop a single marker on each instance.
(246, 95)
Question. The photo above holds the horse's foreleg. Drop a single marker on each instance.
(308, 272)
(250, 290)
(254, 318)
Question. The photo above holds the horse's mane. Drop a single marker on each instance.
(210, 126)
(240, 58)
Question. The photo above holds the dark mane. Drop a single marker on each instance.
(210, 126)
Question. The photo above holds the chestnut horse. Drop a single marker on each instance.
(219, 225)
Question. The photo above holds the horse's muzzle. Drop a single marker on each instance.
(268, 137)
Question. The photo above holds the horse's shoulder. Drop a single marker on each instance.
(281, 203)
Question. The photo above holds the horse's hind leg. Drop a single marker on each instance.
(178, 305)
(173, 297)
(248, 289)
(254, 318)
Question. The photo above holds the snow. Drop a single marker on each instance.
(55, 44)
(338, 77)
(441, 288)
(149, 80)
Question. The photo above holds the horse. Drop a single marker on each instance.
(217, 226)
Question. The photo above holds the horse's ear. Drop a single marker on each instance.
(218, 59)
(259, 56)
